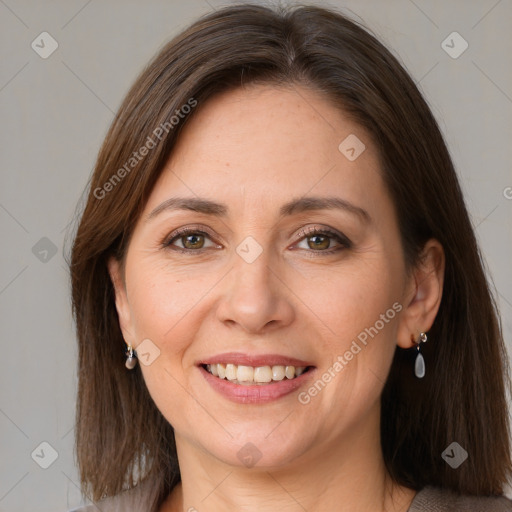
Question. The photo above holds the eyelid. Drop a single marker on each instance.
(343, 240)
(319, 229)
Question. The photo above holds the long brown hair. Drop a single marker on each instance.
(119, 431)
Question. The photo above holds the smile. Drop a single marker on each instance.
(255, 379)
(250, 375)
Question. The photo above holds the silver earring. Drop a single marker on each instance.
(131, 359)
(419, 364)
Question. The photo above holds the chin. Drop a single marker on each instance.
(255, 450)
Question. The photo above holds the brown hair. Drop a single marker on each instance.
(119, 431)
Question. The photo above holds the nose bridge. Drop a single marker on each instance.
(251, 280)
(252, 266)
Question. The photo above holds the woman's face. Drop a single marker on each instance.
(250, 284)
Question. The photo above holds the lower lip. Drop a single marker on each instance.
(257, 394)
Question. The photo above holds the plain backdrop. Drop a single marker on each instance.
(55, 112)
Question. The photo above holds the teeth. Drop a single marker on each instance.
(278, 372)
(250, 375)
(244, 373)
(262, 374)
(230, 372)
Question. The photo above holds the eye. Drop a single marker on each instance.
(191, 239)
(321, 240)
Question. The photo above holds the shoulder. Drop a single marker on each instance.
(137, 499)
(434, 499)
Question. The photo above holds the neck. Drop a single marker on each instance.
(347, 475)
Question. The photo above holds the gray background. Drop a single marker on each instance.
(54, 115)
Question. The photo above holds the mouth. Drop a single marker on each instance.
(255, 375)
(255, 379)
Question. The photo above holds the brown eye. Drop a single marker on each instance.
(195, 241)
(320, 241)
(189, 240)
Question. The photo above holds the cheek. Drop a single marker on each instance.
(162, 300)
(358, 311)
(352, 298)
(165, 307)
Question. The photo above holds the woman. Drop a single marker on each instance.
(279, 299)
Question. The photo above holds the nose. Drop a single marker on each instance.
(256, 296)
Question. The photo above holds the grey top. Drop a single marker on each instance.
(430, 499)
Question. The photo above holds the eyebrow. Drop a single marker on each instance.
(294, 206)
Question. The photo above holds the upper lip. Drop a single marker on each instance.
(239, 358)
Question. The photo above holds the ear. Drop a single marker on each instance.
(122, 304)
(423, 295)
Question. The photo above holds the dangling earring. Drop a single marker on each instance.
(419, 364)
(131, 360)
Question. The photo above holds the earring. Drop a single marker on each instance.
(131, 359)
(419, 364)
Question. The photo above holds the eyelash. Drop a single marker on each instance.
(341, 239)
(304, 233)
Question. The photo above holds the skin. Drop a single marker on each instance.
(254, 149)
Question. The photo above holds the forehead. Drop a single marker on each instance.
(268, 142)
